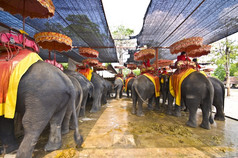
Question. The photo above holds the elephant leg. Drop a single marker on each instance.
(157, 103)
(96, 103)
(127, 92)
(164, 99)
(192, 108)
(121, 93)
(55, 141)
(81, 111)
(140, 109)
(7, 136)
(170, 104)
(33, 127)
(134, 100)
(150, 106)
(220, 115)
(66, 120)
(177, 111)
(205, 115)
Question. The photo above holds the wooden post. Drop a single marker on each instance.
(156, 57)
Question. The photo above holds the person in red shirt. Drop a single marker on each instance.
(182, 57)
(164, 71)
(197, 65)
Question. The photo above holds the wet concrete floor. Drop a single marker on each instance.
(115, 132)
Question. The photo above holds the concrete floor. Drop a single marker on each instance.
(115, 132)
(118, 133)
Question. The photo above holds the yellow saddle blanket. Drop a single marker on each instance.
(155, 81)
(87, 73)
(175, 83)
(10, 74)
(127, 80)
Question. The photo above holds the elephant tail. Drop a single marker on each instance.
(81, 97)
(223, 95)
(211, 90)
(77, 137)
(137, 92)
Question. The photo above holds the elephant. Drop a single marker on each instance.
(78, 102)
(87, 87)
(99, 89)
(219, 98)
(44, 94)
(164, 88)
(118, 86)
(143, 89)
(109, 86)
(196, 90)
(107, 91)
(129, 86)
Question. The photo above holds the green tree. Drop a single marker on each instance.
(121, 37)
(225, 54)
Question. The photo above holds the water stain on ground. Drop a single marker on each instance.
(153, 135)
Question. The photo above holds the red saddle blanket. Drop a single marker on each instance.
(10, 74)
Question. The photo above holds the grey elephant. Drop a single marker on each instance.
(196, 90)
(143, 89)
(118, 86)
(164, 88)
(129, 87)
(99, 89)
(87, 87)
(109, 87)
(219, 98)
(78, 101)
(44, 94)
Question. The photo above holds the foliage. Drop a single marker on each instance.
(121, 36)
(136, 72)
(220, 52)
(220, 73)
(65, 65)
(225, 57)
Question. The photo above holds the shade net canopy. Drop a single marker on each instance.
(83, 21)
(166, 22)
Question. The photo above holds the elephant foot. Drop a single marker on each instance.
(169, 112)
(157, 109)
(219, 118)
(140, 114)
(191, 124)
(150, 108)
(93, 110)
(78, 140)
(205, 125)
(8, 149)
(52, 146)
(133, 111)
(177, 111)
(65, 131)
(72, 127)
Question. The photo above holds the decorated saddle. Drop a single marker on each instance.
(87, 72)
(175, 83)
(11, 72)
(155, 81)
(127, 80)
